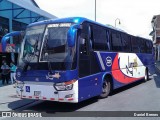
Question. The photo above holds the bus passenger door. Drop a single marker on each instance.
(88, 86)
(84, 57)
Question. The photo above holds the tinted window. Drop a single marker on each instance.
(99, 38)
(142, 45)
(135, 46)
(149, 46)
(126, 43)
(116, 41)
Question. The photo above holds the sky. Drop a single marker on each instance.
(135, 15)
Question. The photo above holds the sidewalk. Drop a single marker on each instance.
(9, 100)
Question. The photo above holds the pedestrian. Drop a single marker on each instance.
(13, 72)
(5, 73)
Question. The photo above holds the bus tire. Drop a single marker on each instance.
(146, 77)
(106, 88)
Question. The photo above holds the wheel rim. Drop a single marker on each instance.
(105, 87)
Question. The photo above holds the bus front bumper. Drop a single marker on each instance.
(47, 91)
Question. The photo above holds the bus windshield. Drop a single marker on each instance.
(32, 43)
(45, 44)
(55, 44)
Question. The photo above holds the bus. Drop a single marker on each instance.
(75, 59)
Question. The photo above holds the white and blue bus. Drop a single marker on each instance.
(74, 59)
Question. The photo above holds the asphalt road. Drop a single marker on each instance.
(140, 96)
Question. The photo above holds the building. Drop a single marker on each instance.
(156, 35)
(15, 15)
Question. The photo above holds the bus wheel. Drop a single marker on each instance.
(106, 88)
(146, 77)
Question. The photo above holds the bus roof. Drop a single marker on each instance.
(77, 20)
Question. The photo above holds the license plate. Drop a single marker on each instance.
(37, 93)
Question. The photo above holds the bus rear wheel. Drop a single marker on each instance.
(146, 77)
(106, 88)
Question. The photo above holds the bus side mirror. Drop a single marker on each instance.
(72, 34)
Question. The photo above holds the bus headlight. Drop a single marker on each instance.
(64, 86)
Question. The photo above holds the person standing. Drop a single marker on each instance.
(5, 73)
(12, 72)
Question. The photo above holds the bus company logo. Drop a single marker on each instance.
(108, 61)
(51, 77)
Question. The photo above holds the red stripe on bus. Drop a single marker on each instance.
(30, 96)
(61, 99)
(70, 99)
(52, 99)
(37, 97)
(44, 98)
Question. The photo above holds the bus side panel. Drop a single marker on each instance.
(148, 61)
(90, 86)
(105, 59)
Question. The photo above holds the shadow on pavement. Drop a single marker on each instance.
(51, 107)
(19, 103)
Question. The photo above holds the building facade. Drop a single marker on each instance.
(15, 15)
(156, 35)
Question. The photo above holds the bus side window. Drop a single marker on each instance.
(116, 42)
(135, 46)
(149, 47)
(142, 45)
(99, 39)
(126, 43)
(108, 40)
